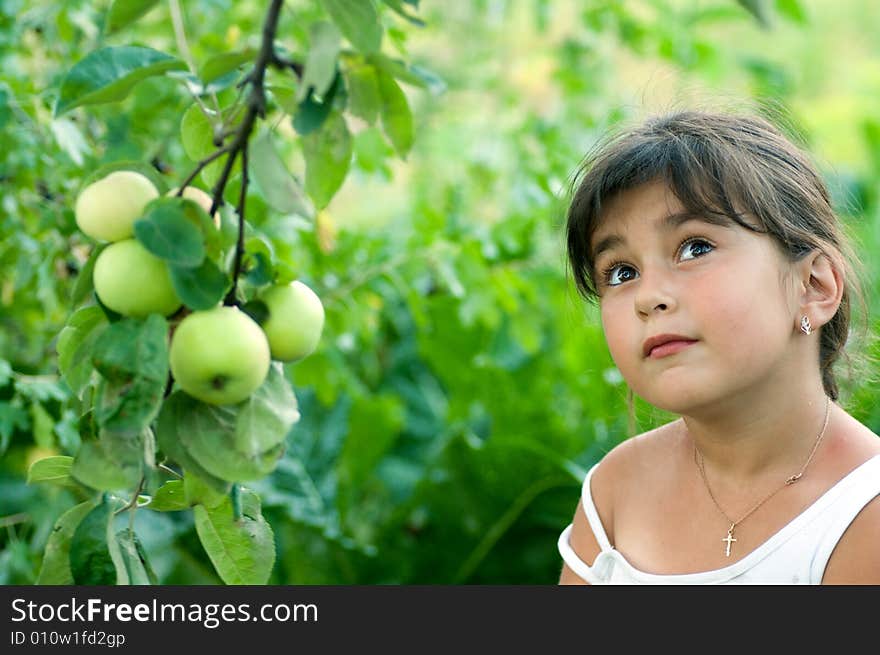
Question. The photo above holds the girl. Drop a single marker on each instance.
(721, 273)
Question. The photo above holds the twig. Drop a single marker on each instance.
(170, 470)
(198, 169)
(283, 63)
(134, 499)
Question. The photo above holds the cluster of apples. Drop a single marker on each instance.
(219, 355)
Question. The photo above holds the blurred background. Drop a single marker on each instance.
(461, 389)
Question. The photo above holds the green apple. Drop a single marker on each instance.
(202, 198)
(219, 355)
(131, 280)
(295, 322)
(107, 209)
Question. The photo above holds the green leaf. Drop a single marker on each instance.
(397, 119)
(256, 308)
(134, 347)
(169, 443)
(198, 490)
(242, 551)
(134, 559)
(70, 139)
(409, 73)
(127, 405)
(132, 357)
(75, 344)
(759, 9)
(167, 232)
(364, 99)
(109, 74)
(311, 112)
(197, 138)
(91, 560)
(99, 469)
(125, 12)
(265, 418)
(280, 189)
(197, 133)
(42, 426)
(232, 443)
(320, 66)
(220, 65)
(399, 9)
(358, 21)
(170, 497)
(328, 156)
(50, 469)
(199, 288)
(209, 447)
(793, 10)
(259, 271)
(84, 284)
(285, 97)
(55, 568)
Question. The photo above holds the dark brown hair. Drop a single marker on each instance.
(717, 163)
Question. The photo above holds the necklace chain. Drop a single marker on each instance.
(789, 481)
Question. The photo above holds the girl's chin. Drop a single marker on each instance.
(681, 400)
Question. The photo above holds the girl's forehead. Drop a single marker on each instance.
(650, 203)
(647, 201)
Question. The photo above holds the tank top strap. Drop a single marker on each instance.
(591, 513)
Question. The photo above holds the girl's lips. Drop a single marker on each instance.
(669, 348)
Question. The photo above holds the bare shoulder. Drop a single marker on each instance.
(626, 466)
(616, 472)
(632, 464)
(856, 558)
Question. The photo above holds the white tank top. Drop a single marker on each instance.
(797, 554)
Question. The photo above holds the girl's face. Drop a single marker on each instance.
(719, 286)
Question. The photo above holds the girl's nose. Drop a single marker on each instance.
(654, 295)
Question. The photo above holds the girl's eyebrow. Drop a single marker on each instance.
(666, 224)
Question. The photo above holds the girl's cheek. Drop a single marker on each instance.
(618, 326)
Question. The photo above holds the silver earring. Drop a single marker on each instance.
(806, 328)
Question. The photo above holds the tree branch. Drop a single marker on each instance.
(256, 108)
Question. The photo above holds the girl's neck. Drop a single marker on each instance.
(766, 436)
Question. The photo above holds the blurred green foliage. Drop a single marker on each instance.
(461, 390)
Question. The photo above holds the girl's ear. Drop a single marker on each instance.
(822, 284)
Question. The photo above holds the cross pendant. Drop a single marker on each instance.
(729, 539)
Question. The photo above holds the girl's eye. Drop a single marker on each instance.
(618, 273)
(697, 247)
